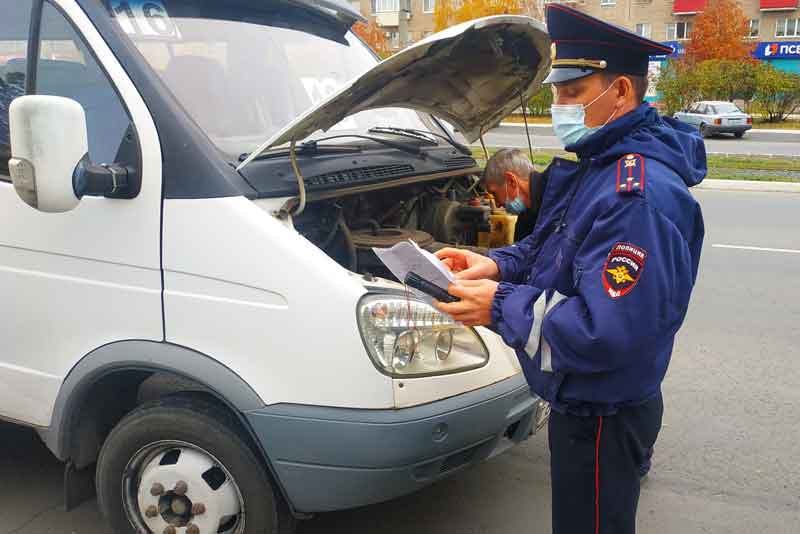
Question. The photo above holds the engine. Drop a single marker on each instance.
(437, 214)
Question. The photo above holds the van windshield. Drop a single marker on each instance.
(243, 69)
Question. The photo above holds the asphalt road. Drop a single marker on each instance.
(726, 460)
(753, 143)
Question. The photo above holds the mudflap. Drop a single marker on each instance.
(78, 485)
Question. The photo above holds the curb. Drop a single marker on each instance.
(532, 125)
(710, 184)
(767, 130)
(753, 155)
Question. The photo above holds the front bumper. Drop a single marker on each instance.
(335, 458)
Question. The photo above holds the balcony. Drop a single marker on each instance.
(778, 5)
(689, 7)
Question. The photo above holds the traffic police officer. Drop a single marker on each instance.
(592, 299)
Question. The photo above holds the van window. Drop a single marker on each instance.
(67, 68)
(242, 70)
(14, 28)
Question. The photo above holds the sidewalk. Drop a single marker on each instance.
(748, 185)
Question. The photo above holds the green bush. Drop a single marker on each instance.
(777, 93)
(678, 86)
(539, 104)
(765, 89)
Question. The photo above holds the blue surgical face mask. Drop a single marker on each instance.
(569, 120)
(515, 206)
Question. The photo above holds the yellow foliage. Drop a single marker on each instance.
(451, 12)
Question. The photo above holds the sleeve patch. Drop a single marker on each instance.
(630, 174)
(622, 269)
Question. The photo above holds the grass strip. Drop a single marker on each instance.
(719, 167)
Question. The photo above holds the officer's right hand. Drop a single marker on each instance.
(468, 265)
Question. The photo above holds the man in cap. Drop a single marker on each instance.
(592, 299)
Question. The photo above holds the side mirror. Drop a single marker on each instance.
(49, 165)
(48, 140)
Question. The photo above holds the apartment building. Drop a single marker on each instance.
(404, 21)
(774, 24)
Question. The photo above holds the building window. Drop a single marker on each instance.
(394, 39)
(754, 28)
(787, 28)
(383, 6)
(644, 30)
(678, 31)
(428, 6)
(608, 2)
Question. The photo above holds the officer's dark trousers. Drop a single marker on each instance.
(594, 465)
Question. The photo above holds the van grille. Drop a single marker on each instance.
(363, 174)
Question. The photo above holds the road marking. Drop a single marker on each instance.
(760, 249)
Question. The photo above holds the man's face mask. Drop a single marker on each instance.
(515, 206)
(569, 120)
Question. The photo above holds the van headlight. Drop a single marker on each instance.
(406, 337)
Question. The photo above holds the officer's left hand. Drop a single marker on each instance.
(475, 306)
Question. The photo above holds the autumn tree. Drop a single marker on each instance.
(371, 34)
(720, 31)
(451, 12)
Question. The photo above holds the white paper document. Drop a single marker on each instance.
(406, 257)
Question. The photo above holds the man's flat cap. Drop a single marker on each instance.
(583, 45)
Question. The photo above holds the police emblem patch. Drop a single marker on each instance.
(622, 269)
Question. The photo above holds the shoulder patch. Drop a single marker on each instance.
(630, 174)
(623, 268)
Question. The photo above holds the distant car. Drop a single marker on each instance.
(716, 117)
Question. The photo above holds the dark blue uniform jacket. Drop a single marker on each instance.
(592, 299)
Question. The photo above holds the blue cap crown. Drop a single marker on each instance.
(583, 45)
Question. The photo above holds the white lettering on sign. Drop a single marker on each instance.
(772, 50)
(144, 19)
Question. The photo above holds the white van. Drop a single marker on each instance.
(192, 313)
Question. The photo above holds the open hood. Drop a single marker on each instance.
(470, 75)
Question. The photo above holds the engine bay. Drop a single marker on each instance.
(435, 214)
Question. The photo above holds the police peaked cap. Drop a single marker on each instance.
(583, 45)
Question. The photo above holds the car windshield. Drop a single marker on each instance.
(243, 70)
(725, 108)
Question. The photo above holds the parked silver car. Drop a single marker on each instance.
(716, 117)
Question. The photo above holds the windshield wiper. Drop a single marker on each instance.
(314, 147)
(309, 148)
(422, 135)
(419, 135)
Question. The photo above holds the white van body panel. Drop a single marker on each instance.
(262, 300)
(75, 281)
(220, 306)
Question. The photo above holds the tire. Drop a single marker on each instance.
(738, 135)
(186, 439)
(704, 133)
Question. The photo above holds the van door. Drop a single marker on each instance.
(72, 282)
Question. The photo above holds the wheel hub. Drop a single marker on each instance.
(180, 489)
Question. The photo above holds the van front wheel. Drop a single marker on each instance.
(179, 465)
